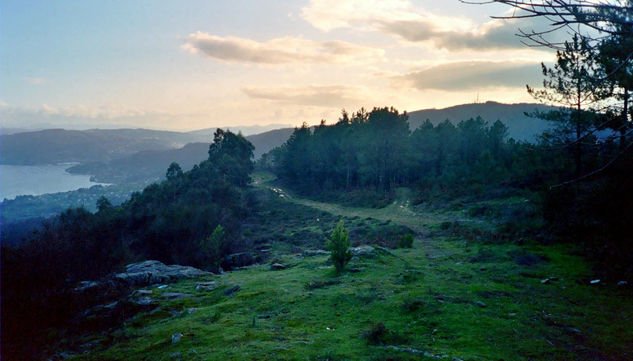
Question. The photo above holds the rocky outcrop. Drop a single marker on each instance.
(151, 272)
(314, 252)
(362, 250)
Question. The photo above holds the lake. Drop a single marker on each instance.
(18, 180)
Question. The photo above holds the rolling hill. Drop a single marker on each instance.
(520, 126)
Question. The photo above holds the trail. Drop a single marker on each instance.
(398, 212)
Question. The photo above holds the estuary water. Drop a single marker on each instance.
(18, 180)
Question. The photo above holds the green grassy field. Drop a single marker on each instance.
(448, 297)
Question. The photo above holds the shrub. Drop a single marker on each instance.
(338, 244)
(211, 248)
(406, 241)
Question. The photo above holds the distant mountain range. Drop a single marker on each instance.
(130, 155)
(521, 127)
(54, 146)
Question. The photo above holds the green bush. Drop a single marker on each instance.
(211, 249)
(338, 244)
(406, 241)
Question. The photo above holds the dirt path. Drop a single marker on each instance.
(398, 212)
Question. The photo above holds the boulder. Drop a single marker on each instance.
(314, 252)
(362, 250)
(151, 272)
(277, 267)
(175, 295)
(206, 286)
(231, 290)
(176, 337)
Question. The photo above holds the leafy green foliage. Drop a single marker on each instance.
(211, 248)
(338, 244)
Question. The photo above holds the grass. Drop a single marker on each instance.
(430, 304)
(449, 296)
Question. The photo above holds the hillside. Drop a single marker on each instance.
(245, 130)
(450, 297)
(96, 145)
(520, 126)
(150, 165)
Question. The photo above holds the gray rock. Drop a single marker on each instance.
(231, 290)
(152, 272)
(362, 250)
(144, 292)
(206, 286)
(277, 267)
(573, 329)
(86, 285)
(622, 283)
(175, 295)
(481, 304)
(176, 337)
(314, 252)
(143, 301)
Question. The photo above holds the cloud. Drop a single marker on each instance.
(492, 35)
(402, 19)
(285, 50)
(312, 95)
(328, 15)
(471, 75)
(46, 116)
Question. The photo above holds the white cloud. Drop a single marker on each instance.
(469, 75)
(402, 19)
(312, 95)
(285, 50)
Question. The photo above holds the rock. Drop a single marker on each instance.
(277, 267)
(143, 301)
(231, 290)
(545, 281)
(86, 285)
(152, 272)
(206, 286)
(594, 282)
(175, 295)
(622, 283)
(144, 292)
(573, 329)
(176, 337)
(175, 355)
(481, 304)
(482, 268)
(236, 260)
(175, 313)
(314, 252)
(362, 250)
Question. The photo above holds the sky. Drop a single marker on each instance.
(186, 65)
